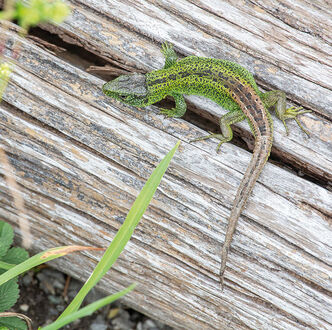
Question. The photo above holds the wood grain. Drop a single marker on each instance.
(81, 159)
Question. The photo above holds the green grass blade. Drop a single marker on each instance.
(40, 258)
(87, 310)
(124, 233)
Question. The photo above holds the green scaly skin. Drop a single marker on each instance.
(228, 84)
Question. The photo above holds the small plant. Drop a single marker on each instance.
(33, 12)
(9, 292)
(29, 14)
(117, 245)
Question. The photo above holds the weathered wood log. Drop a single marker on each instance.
(81, 159)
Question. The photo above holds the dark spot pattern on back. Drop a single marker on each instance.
(225, 82)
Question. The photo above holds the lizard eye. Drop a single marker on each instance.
(122, 97)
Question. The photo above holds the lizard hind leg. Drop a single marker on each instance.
(278, 99)
(226, 131)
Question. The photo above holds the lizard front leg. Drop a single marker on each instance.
(180, 103)
(180, 106)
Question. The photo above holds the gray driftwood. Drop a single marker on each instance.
(82, 158)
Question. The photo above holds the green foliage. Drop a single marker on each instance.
(30, 13)
(9, 292)
(9, 323)
(15, 261)
(5, 70)
(6, 238)
(15, 255)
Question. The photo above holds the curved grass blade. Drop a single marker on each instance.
(124, 233)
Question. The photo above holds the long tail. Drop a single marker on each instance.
(260, 155)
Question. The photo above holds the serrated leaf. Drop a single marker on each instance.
(8, 294)
(6, 237)
(13, 323)
(16, 255)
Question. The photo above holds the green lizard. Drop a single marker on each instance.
(229, 85)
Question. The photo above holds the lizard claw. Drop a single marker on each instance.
(292, 113)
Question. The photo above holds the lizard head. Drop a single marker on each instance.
(130, 89)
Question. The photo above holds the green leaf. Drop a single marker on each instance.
(58, 11)
(7, 15)
(124, 233)
(13, 323)
(16, 255)
(37, 11)
(6, 237)
(41, 258)
(8, 294)
(87, 310)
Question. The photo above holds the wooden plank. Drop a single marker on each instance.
(81, 159)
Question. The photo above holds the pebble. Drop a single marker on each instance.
(99, 323)
(24, 307)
